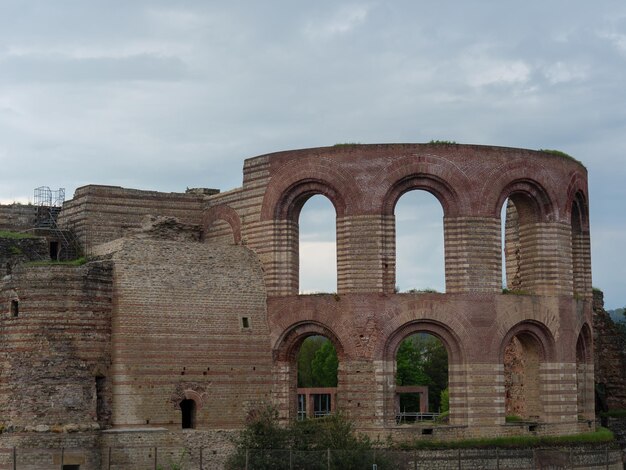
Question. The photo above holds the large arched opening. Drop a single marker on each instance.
(426, 380)
(420, 263)
(422, 392)
(524, 207)
(317, 364)
(580, 245)
(317, 246)
(524, 351)
(584, 374)
(307, 361)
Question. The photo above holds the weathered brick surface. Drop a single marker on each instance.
(177, 329)
(99, 214)
(609, 357)
(54, 349)
(17, 217)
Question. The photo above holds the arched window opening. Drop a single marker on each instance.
(584, 377)
(317, 246)
(420, 263)
(519, 216)
(579, 245)
(317, 377)
(421, 379)
(188, 410)
(522, 359)
(510, 244)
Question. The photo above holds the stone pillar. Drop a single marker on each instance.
(362, 260)
(472, 251)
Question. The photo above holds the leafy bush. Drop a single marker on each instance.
(265, 445)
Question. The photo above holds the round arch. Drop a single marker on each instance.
(287, 345)
(225, 213)
(579, 215)
(536, 330)
(291, 186)
(299, 193)
(450, 341)
(531, 200)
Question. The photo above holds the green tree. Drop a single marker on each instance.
(305, 359)
(263, 444)
(436, 368)
(422, 360)
(324, 366)
(317, 363)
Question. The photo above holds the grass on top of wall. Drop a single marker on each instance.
(600, 436)
(15, 235)
(74, 262)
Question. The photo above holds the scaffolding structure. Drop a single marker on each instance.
(45, 197)
(63, 243)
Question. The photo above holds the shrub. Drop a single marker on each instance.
(264, 444)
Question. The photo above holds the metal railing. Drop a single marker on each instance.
(410, 416)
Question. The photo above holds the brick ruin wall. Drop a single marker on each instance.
(609, 357)
(99, 214)
(177, 305)
(54, 346)
(178, 333)
(17, 217)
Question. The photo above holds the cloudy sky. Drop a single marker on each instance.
(167, 95)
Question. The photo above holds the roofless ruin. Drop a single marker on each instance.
(187, 315)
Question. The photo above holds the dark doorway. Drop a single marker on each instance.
(188, 409)
(54, 250)
(100, 398)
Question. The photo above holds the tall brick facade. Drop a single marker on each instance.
(216, 319)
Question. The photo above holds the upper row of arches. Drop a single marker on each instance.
(479, 191)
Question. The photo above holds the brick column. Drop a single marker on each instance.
(472, 252)
(361, 259)
(546, 258)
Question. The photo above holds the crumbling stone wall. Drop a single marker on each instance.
(100, 214)
(14, 251)
(17, 217)
(609, 358)
(54, 348)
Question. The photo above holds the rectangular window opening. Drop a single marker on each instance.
(245, 322)
(71, 467)
(427, 431)
(15, 309)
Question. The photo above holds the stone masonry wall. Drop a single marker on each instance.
(179, 332)
(99, 214)
(14, 251)
(17, 217)
(609, 357)
(54, 346)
